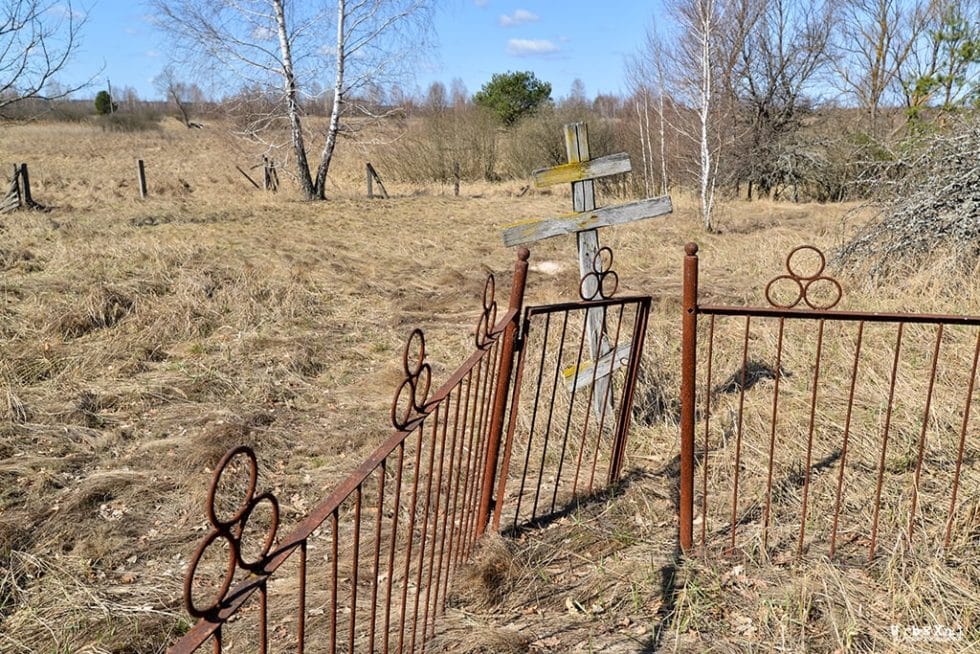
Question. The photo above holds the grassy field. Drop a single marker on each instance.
(141, 339)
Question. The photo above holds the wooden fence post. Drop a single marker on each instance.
(689, 346)
(373, 176)
(141, 173)
(28, 200)
(456, 178)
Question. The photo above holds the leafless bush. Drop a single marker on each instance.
(933, 209)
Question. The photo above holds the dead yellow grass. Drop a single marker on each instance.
(139, 340)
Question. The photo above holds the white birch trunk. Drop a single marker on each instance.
(338, 103)
(649, 153)
(643, 148)
(663, 139)
(704, 111)
(292, 104)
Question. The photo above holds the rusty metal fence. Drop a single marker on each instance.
(798, 414)
(370, 568)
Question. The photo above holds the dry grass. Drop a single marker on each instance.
(139, 340)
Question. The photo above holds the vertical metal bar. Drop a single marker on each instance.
(394, 543)
(809, 440)
(847, 434)
(503, 384)
(688, 371)
(216, 641)
(472, 459)
(449, 516)
(333, 583)
(772, 434)
(884, 444)
(551, 413)
(410, 538)
(436, 544)
(458, 498)
(707, 431)
(571, 408)
(925, 427)
(355, 561)
(375, 567)
(141, 177)
(583, 444)
(959, 455)
(629, 390)
(301, 622)
(420, 566)
(511, 428)
(263, 619)
(738, 429)
(476, 472)
(606, 401)
(457, 472)
(534, 416)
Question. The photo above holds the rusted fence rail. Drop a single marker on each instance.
(369, 569)
(797, 415)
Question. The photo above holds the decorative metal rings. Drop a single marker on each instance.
(232, 531)
(488, 319)
(602, 282)
(412, 394)
(805, 287)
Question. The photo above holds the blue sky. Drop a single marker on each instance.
(559, 40)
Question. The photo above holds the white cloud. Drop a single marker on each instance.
(152, 54)
(481, 3)
(262, 33)
(526, 47)
(519, 17)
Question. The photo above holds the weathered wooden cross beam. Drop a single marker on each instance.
(582, 171)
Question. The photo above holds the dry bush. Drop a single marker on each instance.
(426, 148)
(931, 213)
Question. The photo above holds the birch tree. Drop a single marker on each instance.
(646, 72)
(694, 81)
(276, 48)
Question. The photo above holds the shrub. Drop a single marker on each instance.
(104, 104)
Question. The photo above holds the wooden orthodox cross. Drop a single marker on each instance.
(581, 171)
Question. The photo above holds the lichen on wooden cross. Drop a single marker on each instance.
(581, 171)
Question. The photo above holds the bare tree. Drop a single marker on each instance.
(274, 47)
(784, 46)
(176, 92)
(37, 39)
(874, 39)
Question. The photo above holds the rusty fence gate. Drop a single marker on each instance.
(371, 567)
(798, 414)
(568, 430)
